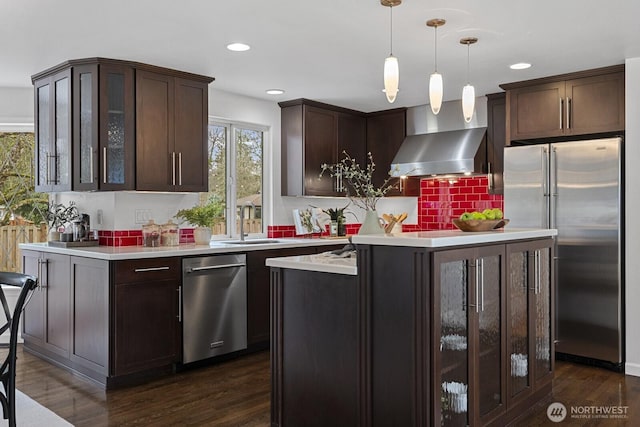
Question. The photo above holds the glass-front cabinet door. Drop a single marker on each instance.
(103, 127)
(468, 326)
(53, 132)
(529, 314)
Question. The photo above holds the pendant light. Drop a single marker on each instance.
(435, 81)
(391, 69)
(468, 91)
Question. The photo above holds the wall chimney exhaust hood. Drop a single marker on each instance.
(441, 153)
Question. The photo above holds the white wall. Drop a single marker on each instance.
(632, 207)
(16, 109)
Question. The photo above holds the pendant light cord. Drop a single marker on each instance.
(468, 46)
(390, 30)
(436, 48)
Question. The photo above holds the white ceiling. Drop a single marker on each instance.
(331, 51)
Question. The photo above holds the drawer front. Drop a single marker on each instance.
(142, 270)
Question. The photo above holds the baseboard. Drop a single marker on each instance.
(632, 369)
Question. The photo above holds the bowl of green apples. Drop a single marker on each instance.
(487, 220)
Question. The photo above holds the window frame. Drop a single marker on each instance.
(232, 127)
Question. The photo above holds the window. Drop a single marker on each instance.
(236, 176)
(22, 210)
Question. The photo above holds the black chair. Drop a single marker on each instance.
(8, 368)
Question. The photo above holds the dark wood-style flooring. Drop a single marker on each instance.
(236, 393)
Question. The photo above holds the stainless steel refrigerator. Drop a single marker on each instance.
(576, 187)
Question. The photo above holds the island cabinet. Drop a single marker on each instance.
(313, 134)
(258, 279)
(529, 311)
(101, 124)
(587, 102)
(468, 323)
(437, 329)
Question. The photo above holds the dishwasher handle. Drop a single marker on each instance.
(212, 267)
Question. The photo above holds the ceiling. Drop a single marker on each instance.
(331, 51)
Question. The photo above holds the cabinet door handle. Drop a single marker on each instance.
(560, 109)
(144, 270)
(44, 261)
(568, 112)
(179, 303)
(538, 273)
(477, 274)
(481, 274)
(104, 165)
(180, 168)
(489, 176)
(173, 168)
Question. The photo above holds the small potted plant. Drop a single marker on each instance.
(337, 226)
(58, 215)
(203, 217)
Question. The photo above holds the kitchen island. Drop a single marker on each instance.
(116, 315)
(427, 328)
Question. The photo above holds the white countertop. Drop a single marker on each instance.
(114, 253)
(321, 262)
(444, 238)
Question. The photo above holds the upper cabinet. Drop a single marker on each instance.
(496, 140)
(53, 131)
(171, 133)
(385, 132)
(97, 119)
(581, 103)
(314, 134)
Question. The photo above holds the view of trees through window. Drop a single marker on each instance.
(235, 176)
(22, 210)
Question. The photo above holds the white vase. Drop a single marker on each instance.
(202, 235)
(372, 224)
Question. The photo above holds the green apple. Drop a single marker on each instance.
(478, 215)
(466, 216)
(497, 213)
(489, 213)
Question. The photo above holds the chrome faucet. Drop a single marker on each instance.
(242, 218)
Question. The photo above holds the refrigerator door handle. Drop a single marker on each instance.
(553, 185)
(545, 187)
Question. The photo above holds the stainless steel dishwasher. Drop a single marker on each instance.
(214, 306)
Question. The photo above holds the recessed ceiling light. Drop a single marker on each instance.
(275, 91)
(238, 47)
(520, 66)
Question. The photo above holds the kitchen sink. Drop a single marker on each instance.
(250, 241)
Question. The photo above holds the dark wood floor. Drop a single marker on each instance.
(236, 393)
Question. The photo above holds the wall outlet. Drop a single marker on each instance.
(142, 216)
(100, 217)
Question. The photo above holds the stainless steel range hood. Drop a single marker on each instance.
(441, 153)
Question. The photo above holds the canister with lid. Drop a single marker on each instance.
(169, 234)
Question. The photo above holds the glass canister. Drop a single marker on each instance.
(150, 234)
(169, 234)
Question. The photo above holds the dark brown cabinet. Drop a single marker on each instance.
(47, 317)
(469, 290)
(171, 133)
(103, 127)
(385, 132)
(89, 303)
(529, 313)
(314, 134)
(581, 103)
(53, 130)
(258, 280)
(146, 315)
(496, 140)
(106, 124)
